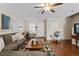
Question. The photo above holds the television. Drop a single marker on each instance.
(76, 28)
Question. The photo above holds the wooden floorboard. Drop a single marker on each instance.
(65, 48)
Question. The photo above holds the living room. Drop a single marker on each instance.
(24, 21)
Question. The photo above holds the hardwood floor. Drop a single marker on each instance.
(65, 48)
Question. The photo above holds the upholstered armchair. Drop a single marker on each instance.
(57, 35)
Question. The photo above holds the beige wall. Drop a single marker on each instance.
(67, 28)
(75, 19)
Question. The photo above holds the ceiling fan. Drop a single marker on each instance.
(48, 7)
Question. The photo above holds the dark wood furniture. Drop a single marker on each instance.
(76, 37)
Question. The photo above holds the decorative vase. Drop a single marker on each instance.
(32, 42)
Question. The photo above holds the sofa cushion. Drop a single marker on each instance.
(19, 36)
(13, 45)
(10, 47)
(7, 39)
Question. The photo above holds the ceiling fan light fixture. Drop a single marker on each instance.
(47, 8)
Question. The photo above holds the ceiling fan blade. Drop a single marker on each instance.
(38, 7)
(56, 4)
(42, 11)
(52, 10)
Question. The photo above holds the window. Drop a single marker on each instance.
(32, 27)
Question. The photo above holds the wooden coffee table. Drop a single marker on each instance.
(38, 47)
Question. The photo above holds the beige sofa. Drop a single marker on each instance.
(11, 45)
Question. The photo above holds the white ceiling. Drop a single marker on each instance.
(27, 10)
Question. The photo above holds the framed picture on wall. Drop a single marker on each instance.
(5, 24)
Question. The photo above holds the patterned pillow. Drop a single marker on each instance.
(14, 37)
